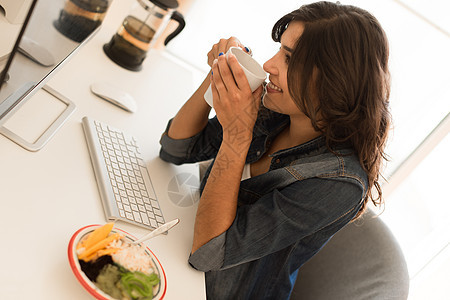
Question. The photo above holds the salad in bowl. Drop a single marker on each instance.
(110, 266)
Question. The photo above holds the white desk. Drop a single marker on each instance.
(47, 195)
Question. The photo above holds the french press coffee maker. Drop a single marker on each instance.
(140, 30)
(79, 18)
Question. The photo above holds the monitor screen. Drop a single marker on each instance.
(52, 31)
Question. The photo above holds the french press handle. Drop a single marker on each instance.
(176, 16)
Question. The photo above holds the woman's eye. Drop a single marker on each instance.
(287, 58)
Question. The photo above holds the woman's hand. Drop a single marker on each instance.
(193, 116)
(235, 105)
(222, 47)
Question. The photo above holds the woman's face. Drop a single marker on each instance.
(277, 97)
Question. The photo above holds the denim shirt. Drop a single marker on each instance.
(284, 216)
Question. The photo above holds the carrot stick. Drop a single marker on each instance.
(98, 235)
(100, 253)
(100, 245)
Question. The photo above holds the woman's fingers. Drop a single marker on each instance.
(222, 47)
(218, 87)
(215, 93)
(226, 75)
(238, 73)
(229, 77)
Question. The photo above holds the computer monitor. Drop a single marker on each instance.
(52, 31)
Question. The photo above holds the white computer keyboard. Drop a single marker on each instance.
(125, 186)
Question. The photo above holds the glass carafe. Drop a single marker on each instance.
(140, 30)
(79, 18)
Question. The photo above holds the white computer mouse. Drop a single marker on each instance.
(114, 95)
(36, 52)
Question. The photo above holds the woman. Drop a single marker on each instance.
(289, 172)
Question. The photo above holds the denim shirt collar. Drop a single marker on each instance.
(263, 138)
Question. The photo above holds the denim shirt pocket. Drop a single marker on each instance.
(255, 187)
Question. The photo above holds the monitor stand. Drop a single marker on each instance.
(49, 132)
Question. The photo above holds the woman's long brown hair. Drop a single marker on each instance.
(338, 75)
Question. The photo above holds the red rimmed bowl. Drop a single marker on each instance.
(159, 291)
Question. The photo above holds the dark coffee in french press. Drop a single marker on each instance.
(79, 18)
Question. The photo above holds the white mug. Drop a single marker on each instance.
(253, 71)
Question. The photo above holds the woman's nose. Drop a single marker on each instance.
(269, 67)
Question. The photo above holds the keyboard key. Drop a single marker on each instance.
(145, 219)
(129, 216)
(118, 198)
(157, 212)
(137, 216)
(150, 214)
(148, 183)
